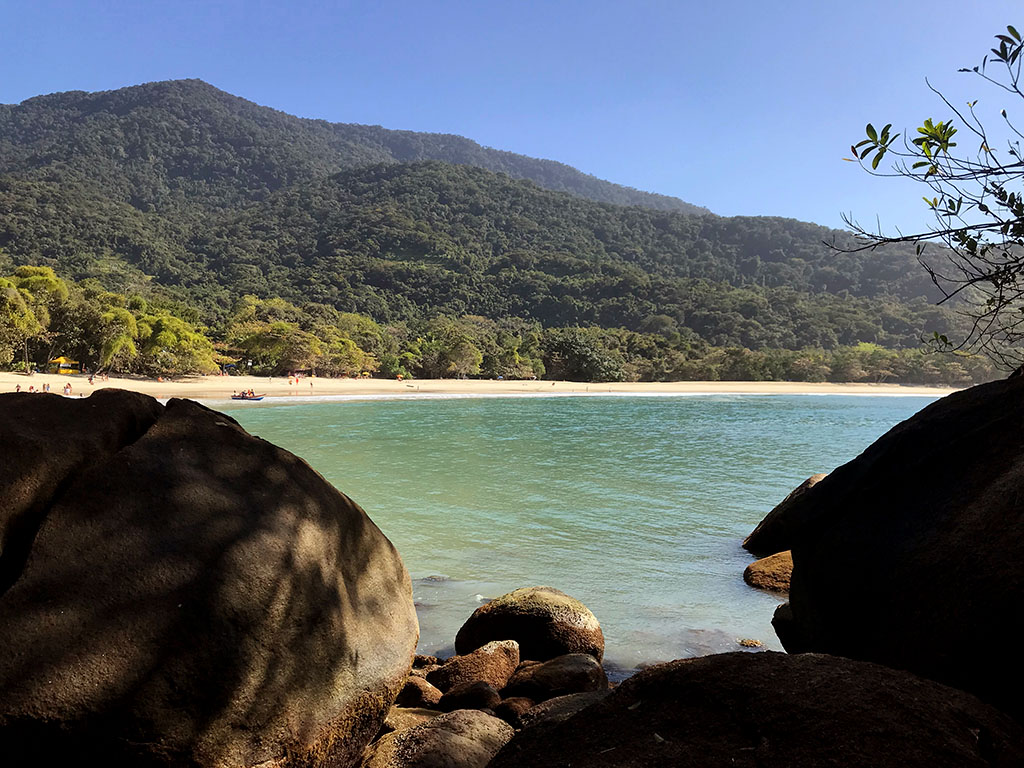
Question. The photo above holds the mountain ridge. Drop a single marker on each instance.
(339, 145)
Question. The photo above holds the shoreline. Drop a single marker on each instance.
(279, 390)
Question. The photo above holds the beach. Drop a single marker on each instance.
(219, 387)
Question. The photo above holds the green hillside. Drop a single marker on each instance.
(190, 199)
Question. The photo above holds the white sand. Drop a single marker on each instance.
(218, 387)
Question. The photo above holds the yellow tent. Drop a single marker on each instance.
(64, 365)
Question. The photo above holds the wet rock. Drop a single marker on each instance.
(544, 621)
(771, 573)
(773, 710)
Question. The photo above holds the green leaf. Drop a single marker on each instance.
(878, 159)
(1013, 32)
(872, 133)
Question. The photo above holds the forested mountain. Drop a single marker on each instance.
(185, 200)
(169, 145)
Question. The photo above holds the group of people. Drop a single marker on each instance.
(45, 387)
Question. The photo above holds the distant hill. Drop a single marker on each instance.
(182, 191)
(163, 145)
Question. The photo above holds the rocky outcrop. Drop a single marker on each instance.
(544, 621)
(188, 594)
(572, 673)
(910, 555)
(776, 532)
(771, 573)
(465, 738)
(772, 710)
(493, 663)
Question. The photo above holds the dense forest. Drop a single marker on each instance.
(178, 199)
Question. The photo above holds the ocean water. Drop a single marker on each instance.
(635, 505)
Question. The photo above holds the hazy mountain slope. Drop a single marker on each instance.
(180, 143)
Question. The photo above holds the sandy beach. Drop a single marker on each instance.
(220, 387)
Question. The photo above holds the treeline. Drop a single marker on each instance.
(42, 316)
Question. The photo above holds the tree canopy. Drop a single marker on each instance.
(973, 185)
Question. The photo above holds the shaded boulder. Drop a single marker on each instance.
(493, 663)
(771, 573)
(465, 738)
(560, 708)
(571, 673)
(776, 532)
(45, 441)
(478, 695)
(772, 710)
(511, 709)
(417, 692)
(910, 555)
(544, 621)
(193, 595)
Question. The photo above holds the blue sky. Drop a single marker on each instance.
(743, 107)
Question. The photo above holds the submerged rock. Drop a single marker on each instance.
(777, 531)
(189, 594)
(910, 555)
(544, 621)
(771, 573)
(772, 710)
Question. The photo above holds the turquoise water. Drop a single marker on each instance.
(635, 505)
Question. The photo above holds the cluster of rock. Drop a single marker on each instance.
(527, 659)
(177, 592)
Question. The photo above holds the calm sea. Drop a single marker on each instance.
(635, 505)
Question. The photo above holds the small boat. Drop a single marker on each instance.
(255, 398)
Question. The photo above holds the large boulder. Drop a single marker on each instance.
(772, 710)
(910, 555)
(778, 529)
(493, 663)
(544, 621)
(465, 738)
(772, 573)
(45, 439)
(190, 595)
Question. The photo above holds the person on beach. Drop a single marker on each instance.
(18, 388)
